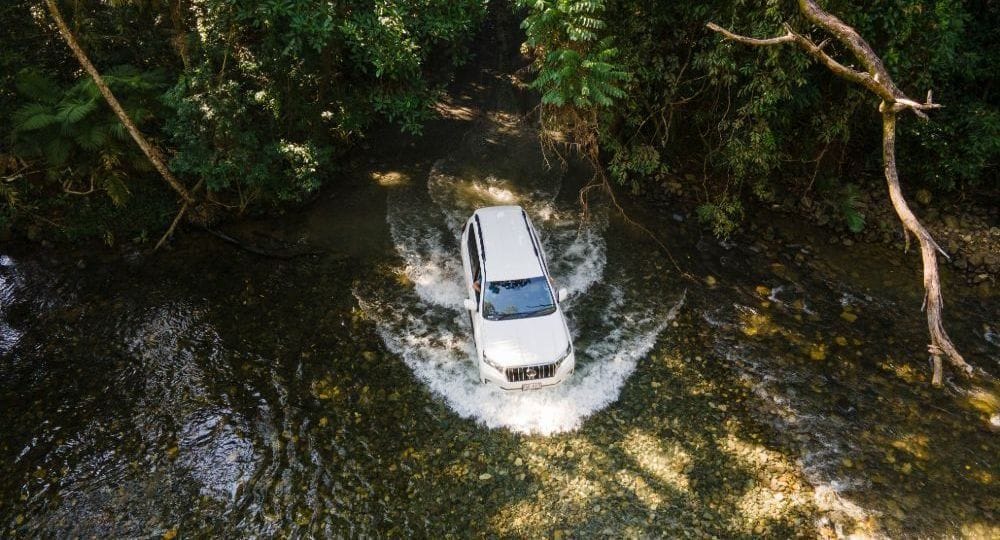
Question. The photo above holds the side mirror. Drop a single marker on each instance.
(562, 295)
(469, 304)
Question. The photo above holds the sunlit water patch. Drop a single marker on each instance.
(613, 323)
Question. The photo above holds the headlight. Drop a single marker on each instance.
(492, 363)
(564, 355)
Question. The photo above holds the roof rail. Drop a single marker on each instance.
(482, 246)
(534, 244)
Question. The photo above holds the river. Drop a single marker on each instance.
(207, 391)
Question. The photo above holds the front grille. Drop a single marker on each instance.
(532, 373)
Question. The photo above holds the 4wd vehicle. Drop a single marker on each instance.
(522, 341)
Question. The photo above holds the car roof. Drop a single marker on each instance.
(510, 252)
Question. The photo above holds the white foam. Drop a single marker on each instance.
(438, 349)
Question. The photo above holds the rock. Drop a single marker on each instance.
(923, 197)
(485, 476)
(984, 290)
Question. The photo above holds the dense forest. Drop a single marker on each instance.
(257, 102)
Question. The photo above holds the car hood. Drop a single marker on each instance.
(525, 342)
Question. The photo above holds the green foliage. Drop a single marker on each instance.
(76, 138)
(756, 122)
(576, 66)
(849, 208)
(255, 98)
(630, 166)
(722, 215)
(311, 77)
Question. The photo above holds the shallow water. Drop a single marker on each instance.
(210, 392)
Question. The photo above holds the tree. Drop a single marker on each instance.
(875, 79)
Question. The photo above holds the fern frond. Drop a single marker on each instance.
(116, 188)
(34, 116)
(71, 112)
(92, 138)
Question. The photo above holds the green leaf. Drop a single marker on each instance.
(34, 116)
(117, 190)
(72, 112)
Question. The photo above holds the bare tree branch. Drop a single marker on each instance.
(877, 80)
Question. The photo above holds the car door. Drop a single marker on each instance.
(472, 264)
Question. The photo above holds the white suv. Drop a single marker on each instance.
(522, 341)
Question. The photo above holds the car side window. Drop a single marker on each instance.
(474, 259)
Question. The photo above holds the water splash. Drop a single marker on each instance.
(613, 325)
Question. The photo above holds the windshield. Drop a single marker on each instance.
(518, 298)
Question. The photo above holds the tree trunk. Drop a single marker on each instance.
(178, 12)
(151, 152)
(940, 342)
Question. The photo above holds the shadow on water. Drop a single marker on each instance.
(209, 392)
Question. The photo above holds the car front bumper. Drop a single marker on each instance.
(490, 375)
